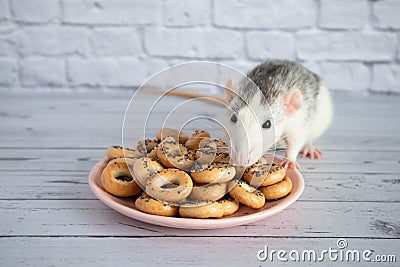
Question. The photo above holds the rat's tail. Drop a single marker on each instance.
(212, 99)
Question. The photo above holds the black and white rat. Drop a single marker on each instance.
(292, 104)
(279, 100)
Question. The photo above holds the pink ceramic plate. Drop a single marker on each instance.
(244, 215)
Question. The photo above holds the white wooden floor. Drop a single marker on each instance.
(48, 216)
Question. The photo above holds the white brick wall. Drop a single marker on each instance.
(352, 44)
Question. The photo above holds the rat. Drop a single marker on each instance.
(279, 100)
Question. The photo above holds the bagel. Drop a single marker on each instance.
(153, 153)
(129, 161)
(145, 146)
(191, 155)
(173, 155)
(145, 168)
(248, 195)
(177, 135)
(264, 174)
(222, 157)
(114, 152)
(229, 205)
(197, 137)
(277, 190)
(203, 211)
(150, 205)
(169, 185)
(117, 180)
(222, 146)
(211, 192)
(215, 173)
(206, 153)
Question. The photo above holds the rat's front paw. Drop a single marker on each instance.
(311, 152)
(289, 164)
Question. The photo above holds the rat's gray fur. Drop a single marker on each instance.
(275, 78)
(262, 96)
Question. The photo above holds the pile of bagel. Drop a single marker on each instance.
(190, 176)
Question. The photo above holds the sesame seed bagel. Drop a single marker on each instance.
(206, 153)
(117, 180)
(144, 168)
(248, 195)
(203, 211)
(170, 185)
(198, 136)
(173, 155)
(222, 146)
(229, 205)
(208, 192)
(177, 135)
(150, 205)
(222, 157)
(129, 161)
(153, 153)
(277, 190)
(114, 152)
(216, 173)
(264, 174)
(145, 146)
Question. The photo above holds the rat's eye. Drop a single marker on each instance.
(267, 124)
(233, 118)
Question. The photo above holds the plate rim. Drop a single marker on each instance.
(189, 223)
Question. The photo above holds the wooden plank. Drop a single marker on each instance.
(374, 103)
(81, 160)
(215, 251)
(342, 121)
(31, 185)
(330, 141)
(44, 117)
(302, 219)
(39, 110)
(94, 154)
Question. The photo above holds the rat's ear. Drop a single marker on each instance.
(292, 101)
(229, 90)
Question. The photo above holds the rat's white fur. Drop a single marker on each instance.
(297, 135)
(249, 140)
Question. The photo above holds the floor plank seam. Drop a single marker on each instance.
(196, 236)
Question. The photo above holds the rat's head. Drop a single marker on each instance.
(254, 125)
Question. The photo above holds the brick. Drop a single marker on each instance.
(243, 66)
(183, 73)
(115, 42)
(42, 71)
(186, 13)
(240, 69)
(135, 12)
(8, 72)
(386, 14)
(35, 11)
(151, 66)
(346, 46)
(7, 47)
(345, 75)
(112, 71)
(4, 10)
(386, 78)
(193, 43)
(343, 14)
(265, 14)
(52, 40)
(263, 45)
